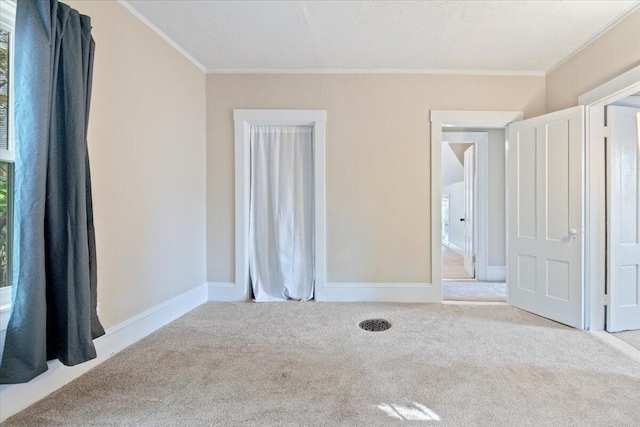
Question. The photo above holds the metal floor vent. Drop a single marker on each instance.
(375, 325)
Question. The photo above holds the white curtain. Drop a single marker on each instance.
(281, 234)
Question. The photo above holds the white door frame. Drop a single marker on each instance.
(458, 119)
(472, 249)
(595, 198)
(243, 120)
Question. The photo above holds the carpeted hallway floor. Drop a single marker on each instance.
(473, 290)
(453, 265)
(309, 364)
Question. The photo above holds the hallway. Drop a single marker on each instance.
(453, 265)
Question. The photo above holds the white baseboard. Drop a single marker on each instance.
(618, 344)
(496, 274)
(380, 292)
(344, 292)
(225, 292)
(16, 397)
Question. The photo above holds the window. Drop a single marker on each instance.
(7, 154)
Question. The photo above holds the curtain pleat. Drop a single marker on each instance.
(281, 246)
(54, 302)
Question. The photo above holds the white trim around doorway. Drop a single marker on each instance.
(243, 120)
(595, 102)
(456, 119)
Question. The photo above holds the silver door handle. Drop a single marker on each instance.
(573, 231)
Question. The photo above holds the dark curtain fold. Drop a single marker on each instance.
(54, 302)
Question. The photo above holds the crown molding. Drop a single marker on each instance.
(594, 37)
(159, 32)
(523, 73)
(377, 71)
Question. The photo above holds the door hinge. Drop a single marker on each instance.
(606, 300)
(607, 132)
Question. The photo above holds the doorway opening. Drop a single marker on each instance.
(255, 128)
(623, 218)
(482, 122)
(612, 269)
(473, 215)
(281, 232)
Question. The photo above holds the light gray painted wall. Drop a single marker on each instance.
(497, 202)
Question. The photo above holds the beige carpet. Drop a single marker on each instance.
(473, 290)
(291, 364)
(453, 265)
(630, 337)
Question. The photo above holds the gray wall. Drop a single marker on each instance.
(497, 204)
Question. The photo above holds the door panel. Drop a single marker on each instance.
(623, 219)
(526, 178)
(527, 272)
(557, 181)
(469, 210)
(545, 210)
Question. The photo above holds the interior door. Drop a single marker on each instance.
(469, 217)
(545, 215)
(623, 218)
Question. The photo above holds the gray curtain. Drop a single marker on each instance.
(54, 301)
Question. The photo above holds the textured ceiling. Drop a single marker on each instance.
(482, 36)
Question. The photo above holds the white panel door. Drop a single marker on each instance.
(469, 204)
(623, 219)
(545, 213)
